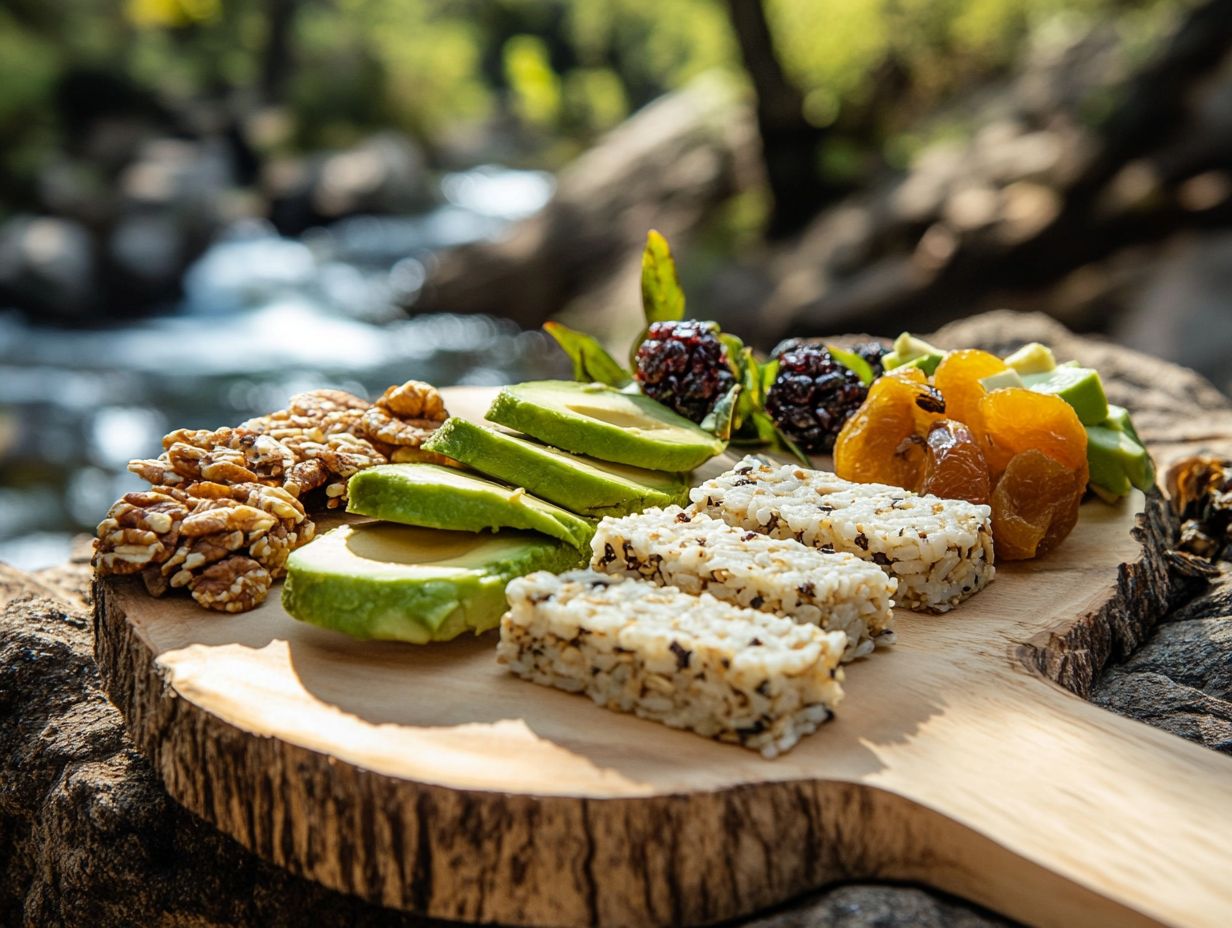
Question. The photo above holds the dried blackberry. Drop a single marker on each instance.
(812, 396)
(873, 352)
(683, 366)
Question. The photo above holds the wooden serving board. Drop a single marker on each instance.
(430, 779)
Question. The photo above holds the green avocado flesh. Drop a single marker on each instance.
(1032, 358)
(1117, 461)
(1118, 418)
(910, 351)
(399, 583)
(1002, 380)
(604, 423)
(444, 497)
(590, 487)
(1078, 386)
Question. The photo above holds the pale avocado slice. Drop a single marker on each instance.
(910, 351)
(1078, 386)
(400, 583)
(445, 497)
(584, 485)
(1002, 380)
(604, 423)
(1032, 358)
(1119, 419)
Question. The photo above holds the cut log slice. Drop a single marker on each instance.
(429, 779)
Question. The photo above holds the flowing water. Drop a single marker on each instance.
(262, 317)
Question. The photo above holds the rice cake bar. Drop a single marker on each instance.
(692, 662)
(939, 550)
(695, 553)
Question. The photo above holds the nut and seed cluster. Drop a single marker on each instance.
(227, 506)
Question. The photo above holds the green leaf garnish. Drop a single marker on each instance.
(852, 361)
(591, 362)
(662, 298)
(719, 420)
(751, 397)
(769, 371)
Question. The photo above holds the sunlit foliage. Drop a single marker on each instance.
(549, 75)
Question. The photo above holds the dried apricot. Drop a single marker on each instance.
(1014, 420)
(882, 441)
(958, 378)
(1035, 505)
(954, 465)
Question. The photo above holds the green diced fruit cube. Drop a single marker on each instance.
(910, 351)
(1117, 461)
(1002, 380)
(1078, 386)
(1032, 358)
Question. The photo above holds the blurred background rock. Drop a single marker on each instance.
(207, 205)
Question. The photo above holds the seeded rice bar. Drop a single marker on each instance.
(695, 553)
(693, 662)
(939, 550)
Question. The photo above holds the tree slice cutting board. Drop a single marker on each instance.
(430, 779)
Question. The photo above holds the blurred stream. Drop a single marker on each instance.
(262, 317)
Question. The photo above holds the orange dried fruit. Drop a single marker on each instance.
(1035, 505)
(954, 466)
(882, 441)
(1014, 420)
(958, 378)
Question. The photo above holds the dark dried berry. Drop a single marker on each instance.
(683, 365)
(873, 352)
(812, 396)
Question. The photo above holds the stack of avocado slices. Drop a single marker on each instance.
(448, 539)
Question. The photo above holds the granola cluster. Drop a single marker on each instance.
(227, 506)
(1201, 491)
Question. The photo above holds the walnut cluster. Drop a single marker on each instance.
(227, 506)
(225, 543)
(1201, 492)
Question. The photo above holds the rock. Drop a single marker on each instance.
(1180, 680)
(667, 167)
(384, 174)
(1158, 700)
(48, 267)
(878, 907)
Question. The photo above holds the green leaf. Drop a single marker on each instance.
(662, 298)
(786, 444)
(769, 371)
(749, 376)
(757, 429)
(719, 420)
(852, 361)
(591, 362)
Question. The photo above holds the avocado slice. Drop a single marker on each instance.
(604, 423)
(1118, 418)
(584, 485)
(1032, 358)
(1117, 461)
(399, 583)
(910, 351)
(1078, 386)
(1002, 380)
(444, 497)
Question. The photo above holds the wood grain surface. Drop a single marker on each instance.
(429, 779)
